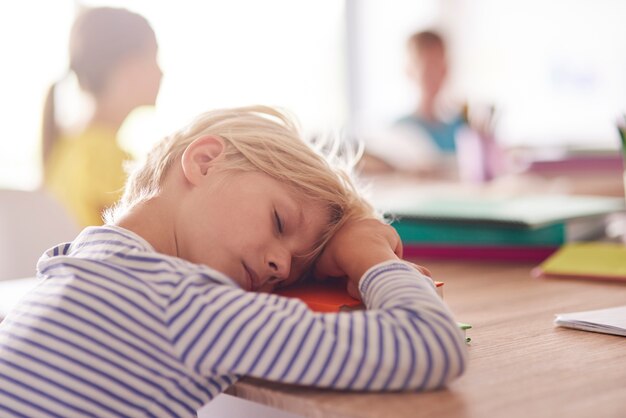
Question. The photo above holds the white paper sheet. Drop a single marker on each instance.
(607, 321)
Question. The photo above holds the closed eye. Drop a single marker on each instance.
(279, 222)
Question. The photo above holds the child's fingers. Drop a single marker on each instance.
(421, 269)
(353, 290)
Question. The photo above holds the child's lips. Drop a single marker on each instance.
(251, 277)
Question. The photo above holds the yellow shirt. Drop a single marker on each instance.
(86, 173)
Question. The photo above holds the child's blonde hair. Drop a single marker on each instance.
(257, 138)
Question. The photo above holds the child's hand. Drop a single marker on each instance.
(355, 248)
(421, 269)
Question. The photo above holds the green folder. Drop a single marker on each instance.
(415, 231)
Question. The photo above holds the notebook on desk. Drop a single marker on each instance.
(329, 295)
(606, 321)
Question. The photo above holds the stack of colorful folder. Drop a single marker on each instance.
(522, 228)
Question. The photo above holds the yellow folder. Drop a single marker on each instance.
(586, 260)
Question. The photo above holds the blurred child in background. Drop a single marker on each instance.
(422, 142)
(428, 69)
(437, 139)
(113, 54)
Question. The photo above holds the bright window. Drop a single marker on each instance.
(213, 54)
(556, 70)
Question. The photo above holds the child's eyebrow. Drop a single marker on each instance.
(300, 215)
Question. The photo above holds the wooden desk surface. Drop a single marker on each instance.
(520, 364)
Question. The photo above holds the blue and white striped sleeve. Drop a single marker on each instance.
(406, 340)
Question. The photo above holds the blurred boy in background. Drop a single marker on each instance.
(436, 140)
(428, 69)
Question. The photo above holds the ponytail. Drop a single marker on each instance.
(49, 127)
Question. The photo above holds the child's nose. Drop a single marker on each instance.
(279, 264)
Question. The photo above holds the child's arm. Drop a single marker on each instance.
(406, 340)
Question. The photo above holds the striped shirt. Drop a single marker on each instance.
(116, 329)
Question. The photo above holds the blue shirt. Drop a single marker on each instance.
(442, 133)
(116, 329)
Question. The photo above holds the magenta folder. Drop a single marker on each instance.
(461, 252)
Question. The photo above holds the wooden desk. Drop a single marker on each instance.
(520, 364)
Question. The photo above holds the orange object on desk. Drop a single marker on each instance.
(329, 295)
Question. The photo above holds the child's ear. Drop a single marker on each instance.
(200, 155)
